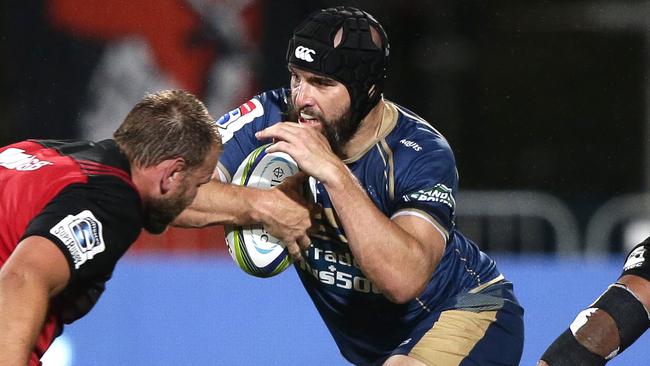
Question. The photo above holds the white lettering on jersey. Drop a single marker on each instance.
(338, 276)
(304, 53)
(411, 144)
(16, 159)
(234, 120)
(82, 235)
(439, 193)
(635, 259)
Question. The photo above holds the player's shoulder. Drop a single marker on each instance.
(414, 137)
(276, 99)
(110, 202)
(107, 171)
(276, 96)
(102, 157)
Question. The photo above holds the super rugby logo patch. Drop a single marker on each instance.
(439, 193)
(82, 235)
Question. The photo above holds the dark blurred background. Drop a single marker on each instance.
(546, 97)
(545, 103)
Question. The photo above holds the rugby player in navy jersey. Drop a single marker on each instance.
(612, 323)
(69, 211)
(394, 281)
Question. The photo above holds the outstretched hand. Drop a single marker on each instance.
(287, 215)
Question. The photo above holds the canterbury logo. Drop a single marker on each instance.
(304, 53)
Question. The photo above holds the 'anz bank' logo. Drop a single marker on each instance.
(16, 159)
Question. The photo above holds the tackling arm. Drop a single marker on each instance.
(281, 209)
(35, 271)
(218, 203)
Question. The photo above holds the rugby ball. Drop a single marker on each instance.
(255, 250)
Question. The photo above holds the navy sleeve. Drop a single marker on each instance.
(238, 127)
(426, 182)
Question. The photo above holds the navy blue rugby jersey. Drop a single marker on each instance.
(408, 170)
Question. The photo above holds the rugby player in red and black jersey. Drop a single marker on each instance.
(70, 210)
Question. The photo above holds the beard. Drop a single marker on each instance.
(160, 212)
(337, 131)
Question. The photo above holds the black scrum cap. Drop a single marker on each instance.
(356, 62)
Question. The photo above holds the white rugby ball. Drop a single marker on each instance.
(255, 250)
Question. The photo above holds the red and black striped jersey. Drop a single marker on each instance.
(80, 196)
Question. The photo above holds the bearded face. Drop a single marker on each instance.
(160, 212)
(338, 130)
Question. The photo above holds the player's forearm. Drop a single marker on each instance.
(220, 203)
(23, 305)
(216, 203)
(391, 258)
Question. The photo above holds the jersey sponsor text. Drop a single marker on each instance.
(411, 144)
(439, 193)
(16, 159)
(334, 275)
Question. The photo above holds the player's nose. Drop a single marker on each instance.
(304, 96)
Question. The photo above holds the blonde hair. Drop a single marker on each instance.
(167, 125)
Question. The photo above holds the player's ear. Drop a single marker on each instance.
(172, 171)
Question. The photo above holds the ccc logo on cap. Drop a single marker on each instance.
(304, 53)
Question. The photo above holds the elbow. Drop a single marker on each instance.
(408, 286)
(19, 281)
(11, 280)
(398, 298)
(403, 293)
